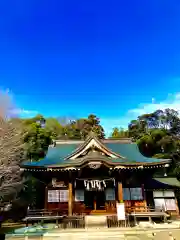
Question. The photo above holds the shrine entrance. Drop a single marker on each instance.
(94, 200)
(96, 194)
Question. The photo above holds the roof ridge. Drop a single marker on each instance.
(75, 141)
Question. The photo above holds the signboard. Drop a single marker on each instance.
(79, 196)
(120, 211)
(64, 195)
(110, 194)
(160, 203)
(56, 183)
(170, 204)
(53, 196)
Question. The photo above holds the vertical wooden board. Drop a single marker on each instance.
(70, 200)
(120, 192)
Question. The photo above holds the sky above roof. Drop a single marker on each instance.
(116, 59)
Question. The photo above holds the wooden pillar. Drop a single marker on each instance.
(46, 198)
(144, 197)
(95, 204)
(70, 200)
(120, 192)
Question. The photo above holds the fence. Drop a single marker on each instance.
(78, 221)
(72, 222)
(62, 221)
(112, 221)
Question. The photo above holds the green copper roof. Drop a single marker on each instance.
(168, 181)
(129, 152)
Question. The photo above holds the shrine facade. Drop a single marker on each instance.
(91, 177)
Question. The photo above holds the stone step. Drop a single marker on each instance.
(95, 221)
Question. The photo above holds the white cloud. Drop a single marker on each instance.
(172, 101)
(22, 112)
(9, 109)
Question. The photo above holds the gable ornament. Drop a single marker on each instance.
(94, 165)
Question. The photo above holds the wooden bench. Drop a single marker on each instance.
(148, 215)
(41, 219)
(41, 215)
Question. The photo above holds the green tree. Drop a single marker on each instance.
(92, 124)
(37, 119)
(156, 133)
(136, 129)
(54, 128)
(80, 128)
(37, 140)
(151, 142)
(119, 133)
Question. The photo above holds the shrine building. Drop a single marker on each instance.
(91, 176)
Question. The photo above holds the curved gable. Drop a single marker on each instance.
(93, 143)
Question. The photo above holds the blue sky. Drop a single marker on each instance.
(116, 59)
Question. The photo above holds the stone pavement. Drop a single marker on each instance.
(136, 233)
(116, 233)
(161, 235)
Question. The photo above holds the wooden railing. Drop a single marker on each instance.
(112, 221)
(42, 215)
(78, 220)
(142, 209)
(110, 207)
(73, 222)
(42, 212)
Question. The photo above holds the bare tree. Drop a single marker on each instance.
(11, 152)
